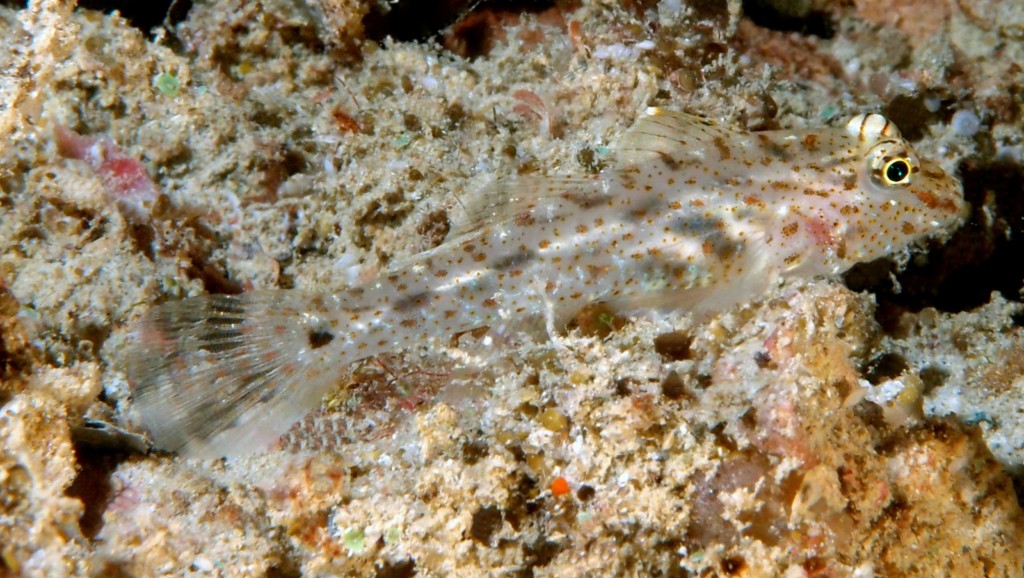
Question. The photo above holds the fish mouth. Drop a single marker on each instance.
(948, 204)
(944, 196)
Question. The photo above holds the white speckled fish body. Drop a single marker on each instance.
(692, 215)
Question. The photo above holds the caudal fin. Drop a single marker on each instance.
(225, 375)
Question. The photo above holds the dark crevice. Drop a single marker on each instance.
(1018, 487)
(15, 357)
(982, 256)
(885, 367)
(786, 16)
(521, 504)
(673, 388)
(413, 20)
(674, 346)
(585, 493)
(214, 279)
(474, 450)
(473, 21)
(92, 484)
(486, 523)
(286, 569)
(540, 552)
(911, 114)
(733, 565)
(143, 15)
(400, 569)
(933, 377)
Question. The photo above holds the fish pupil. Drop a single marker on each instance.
(897, 171)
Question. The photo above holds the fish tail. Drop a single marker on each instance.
(222, 375)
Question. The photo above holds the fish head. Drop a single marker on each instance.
(901, 198)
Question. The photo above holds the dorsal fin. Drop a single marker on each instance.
(673, 136)
(670, 135)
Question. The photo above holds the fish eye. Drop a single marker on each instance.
(897, 172)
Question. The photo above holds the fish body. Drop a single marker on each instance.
(692, 215)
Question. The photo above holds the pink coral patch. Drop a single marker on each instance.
(124, 177)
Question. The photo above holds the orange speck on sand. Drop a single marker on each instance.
(560, 487)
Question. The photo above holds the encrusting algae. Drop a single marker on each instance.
(691, 215)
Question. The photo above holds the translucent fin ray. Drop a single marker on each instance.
(512, 204)
(227, 375)
(537, 197)
(670, 135)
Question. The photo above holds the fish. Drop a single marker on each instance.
(690, 214)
